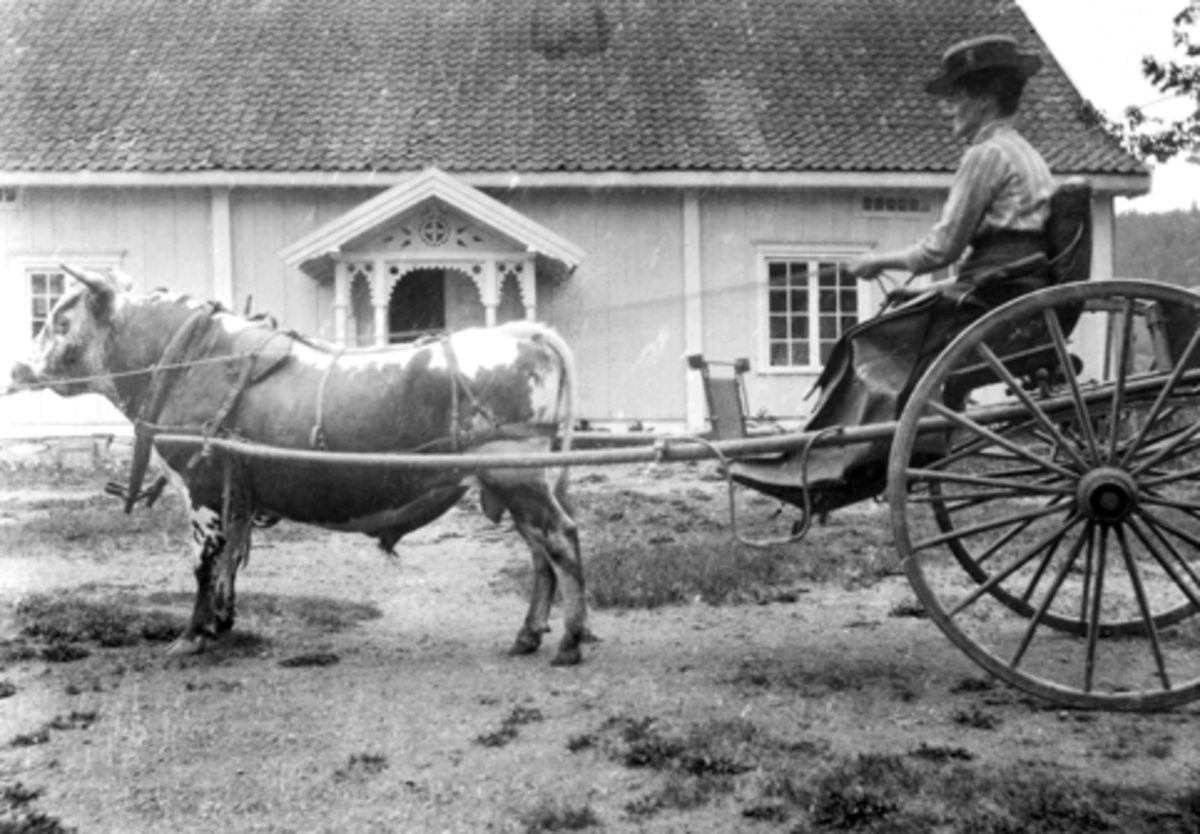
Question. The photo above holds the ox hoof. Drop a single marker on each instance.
(567, 657)
(185, 646)
(524, 645)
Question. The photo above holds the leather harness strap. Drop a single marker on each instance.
(316, 438)
(161, 380)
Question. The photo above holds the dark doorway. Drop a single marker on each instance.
(418, 305)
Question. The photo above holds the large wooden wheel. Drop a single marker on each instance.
(1050, 520)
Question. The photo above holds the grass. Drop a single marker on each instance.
(802, 786)
(646, 550)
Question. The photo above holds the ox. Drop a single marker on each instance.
(172, 363)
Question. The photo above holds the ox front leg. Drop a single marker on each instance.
(218, 556)
(208, 546)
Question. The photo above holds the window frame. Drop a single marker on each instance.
(765, 255)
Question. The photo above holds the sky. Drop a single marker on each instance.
(1100, 44)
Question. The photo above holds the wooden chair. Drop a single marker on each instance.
(725, 392)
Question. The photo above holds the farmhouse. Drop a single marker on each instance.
(652, 177)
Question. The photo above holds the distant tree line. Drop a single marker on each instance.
(1162, 246)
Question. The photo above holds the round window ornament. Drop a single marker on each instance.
(434, 229)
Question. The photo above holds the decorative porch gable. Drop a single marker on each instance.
(433, 221)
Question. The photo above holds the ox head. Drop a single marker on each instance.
(69, 355)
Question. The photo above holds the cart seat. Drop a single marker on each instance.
(1028, 354)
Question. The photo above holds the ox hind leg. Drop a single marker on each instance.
(553, 538)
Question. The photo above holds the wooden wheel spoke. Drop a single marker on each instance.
(1093, 621)
(1176, 566)
(1164, 395)
(1052, 593)
(983, 527)
(1158, 453)
(1122, 362)
(1054, 436)
(1031, 553)
(1139, 591)
(1001, 486)
(1064, 359)
(1017, 449)
(1171, 503)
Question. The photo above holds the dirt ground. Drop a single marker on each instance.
(361, 693)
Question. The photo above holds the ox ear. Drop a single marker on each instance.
(102, 289)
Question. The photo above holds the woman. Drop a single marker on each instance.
(995, 214)
(1000, 197)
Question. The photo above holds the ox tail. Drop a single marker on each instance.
(568, 393)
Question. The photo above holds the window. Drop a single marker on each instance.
(811, 302)
(43, 282)
(46, 286)
(894, 204)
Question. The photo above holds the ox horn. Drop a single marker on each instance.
(93, 282)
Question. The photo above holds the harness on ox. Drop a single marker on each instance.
(188, 344)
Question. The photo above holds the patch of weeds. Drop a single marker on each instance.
(1161, 748)
(361, 766)
(64, 653)
(581, 742)
(77, 720)
(822, 676)
(40, 736)
(909, 608)
(510, 727)
(968, 685)
(16, 817)
(65, 617)
(976, 719)
(553, 815)
(939, 753)
(312, 659)
(679, 793)
(860, 792)
(700, 763)
(68, 617)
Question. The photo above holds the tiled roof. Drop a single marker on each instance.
(504, 85)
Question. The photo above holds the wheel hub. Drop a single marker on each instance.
(1107, 495)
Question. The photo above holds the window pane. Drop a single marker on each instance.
(777, 301)
(829, 327)
(41, 307)
(56, 283)
(800, 327)
(800, 353)
(777, 273)
(778, 327)
(38, 282)
(799, 300)
(779, 354)
(847, 298)
(848, 322)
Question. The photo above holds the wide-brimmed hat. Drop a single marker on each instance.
(987, 52)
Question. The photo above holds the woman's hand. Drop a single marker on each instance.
(865, 267)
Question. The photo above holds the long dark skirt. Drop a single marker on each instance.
(869, 376)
